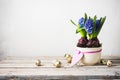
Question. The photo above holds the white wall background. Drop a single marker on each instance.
(42, 27)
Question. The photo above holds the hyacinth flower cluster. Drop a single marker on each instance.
(89, 29)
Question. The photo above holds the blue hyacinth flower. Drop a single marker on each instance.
(97, 25)
(81, 22)
(89, 26)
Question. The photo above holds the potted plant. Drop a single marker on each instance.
(88, 47)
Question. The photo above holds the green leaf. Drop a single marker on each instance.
(85, 16)
(94, 22)
(78, 30)
(102, 20)
(73, 23)
(83, 33)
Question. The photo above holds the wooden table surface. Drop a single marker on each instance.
(24, 68)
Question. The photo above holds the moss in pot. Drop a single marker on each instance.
(88, 46)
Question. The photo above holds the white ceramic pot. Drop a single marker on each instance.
(91, 56)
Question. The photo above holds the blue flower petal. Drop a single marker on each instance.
(89, 31)
(81, 22)
(89, 25)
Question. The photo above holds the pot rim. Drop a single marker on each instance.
(89, 47)
(89, 50)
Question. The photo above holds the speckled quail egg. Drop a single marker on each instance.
(57, 63)
(38, 62)
(109, 63)
(67, 56)
(69, 59)
(103, 61)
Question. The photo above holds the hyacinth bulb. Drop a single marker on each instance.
(94, 42)
(82, 42)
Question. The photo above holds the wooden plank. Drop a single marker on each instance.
(50, 64)
(45, 63)
(58, 72)
(25, 68)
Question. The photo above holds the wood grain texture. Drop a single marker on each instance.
(24, 68)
